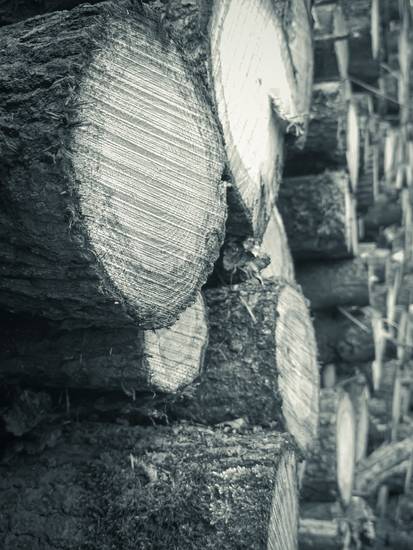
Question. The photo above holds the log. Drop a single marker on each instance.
(359, 393)
(260, 364)
(318, 534)
(275, 246)
(187, 487)
(386, 465)
(330, 466)
(341, 338)
(72, 247)
(382, 213)
(336, 283)
(318, 212)
(39, 353)
(331, 53)
(363, 20)
(333, 138)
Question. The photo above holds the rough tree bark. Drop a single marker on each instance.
(333, 135)
(39, 353)
(95, 139)
(106, 486)
(260, 364)
(344, 339)
(336, 283)
(330, 466)
(318, 212)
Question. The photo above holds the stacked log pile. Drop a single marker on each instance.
(359, 294)
(160, 373)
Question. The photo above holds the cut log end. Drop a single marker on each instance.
(174, 356)
(297, 364)
(140, 169)
(346, 447)
(283, 525)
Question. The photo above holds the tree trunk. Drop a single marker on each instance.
(318, 212)
(39, 353)
(106, 486)
(333, 135)
(330, 467)
(256, 58)
(382, 213)
(386, 465)
(364, 39)
(344, 339)
(260, 364)
(99, 235)
(337, 283)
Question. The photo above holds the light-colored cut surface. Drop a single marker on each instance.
(353, 144)
(346, 430)
(254, 85)
(148, 162)
(175, 355)
(275, 244)
(283, 527)
(299, 376)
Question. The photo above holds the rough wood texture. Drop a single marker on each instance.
(329, 469)
(319, 216)
(36, 352)
(275, 245)
(386, 465)
(341, 339)
(382, 213)
(260, 363)
(333, 134)
(335, 283)
(108, 229)
(106, 486)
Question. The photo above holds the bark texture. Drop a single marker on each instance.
(329, 469)
(260, 364)
(105, 486)
(39, 353)
(344, 339)
(69, 247)
(319, 216)
(335, 283)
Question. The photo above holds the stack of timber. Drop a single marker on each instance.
(141, 407)
(360, 299)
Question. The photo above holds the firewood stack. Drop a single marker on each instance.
(361, 301)
(158, 368)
